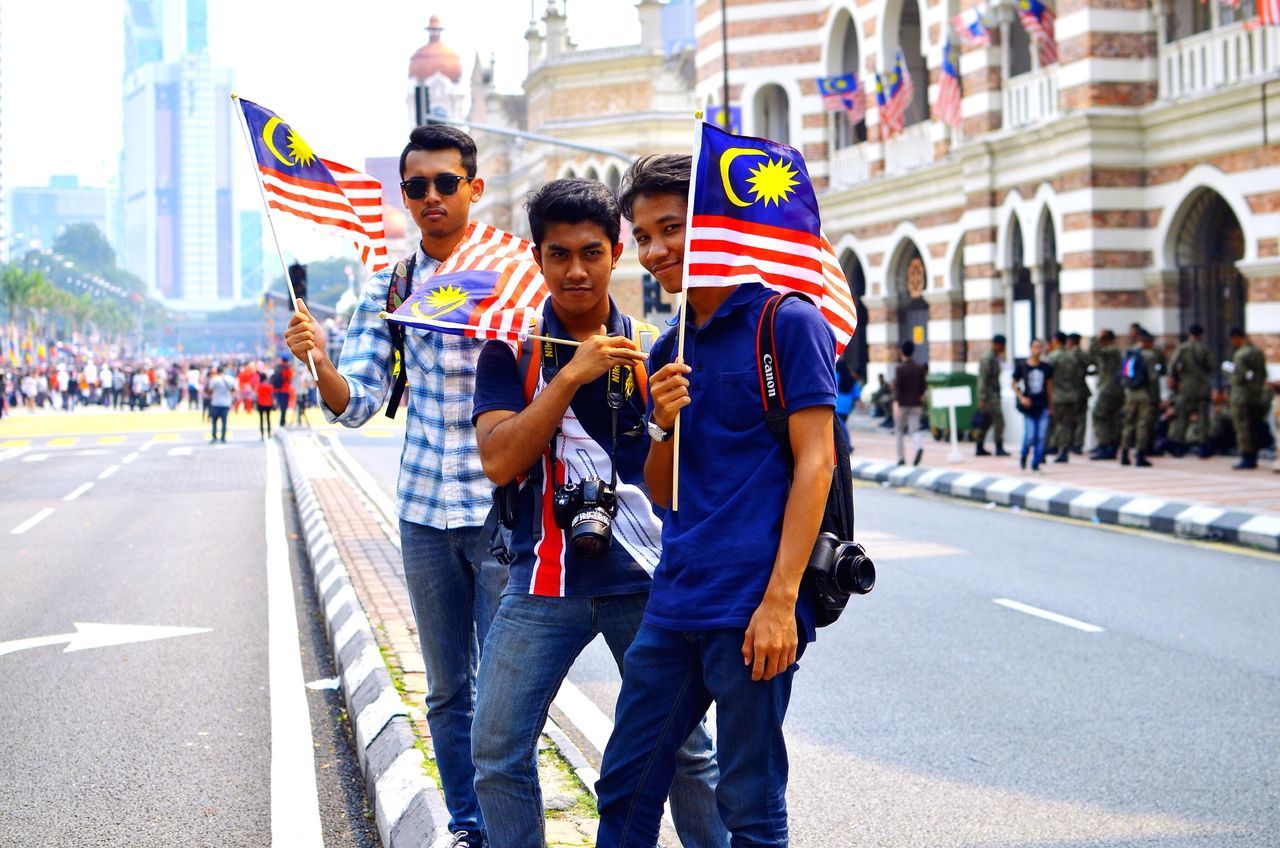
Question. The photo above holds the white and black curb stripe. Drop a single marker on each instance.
(1187, 520)
(408, 806)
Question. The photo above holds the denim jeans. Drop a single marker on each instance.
(531, 645)
(453, 603)
(671, 679)
(282, 404)
(216, 414)
(1035, 429)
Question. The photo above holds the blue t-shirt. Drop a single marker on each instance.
(719, 548)
(546, 565)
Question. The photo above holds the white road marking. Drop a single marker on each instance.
(80, 490)
(35, 457)
(1049, 616)
(108, 471)
(130, 458)
(13, 453)
(583, 714)
(295, 805)
(145, 446)
(89, 636)
(32, 521)
(182, 451)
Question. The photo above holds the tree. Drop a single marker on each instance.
(20, 289)
(85, 245)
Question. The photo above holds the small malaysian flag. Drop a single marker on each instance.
(843, 94)
(488, 288)
(327, 194)
(903, 88)
(972, 27)
(1268, 13)
(753, 217)
(947, 107)
(1037, 19)
(890, 118)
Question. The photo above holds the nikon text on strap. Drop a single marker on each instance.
(398, 291)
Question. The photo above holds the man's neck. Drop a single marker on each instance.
(582, 327)
(703, 302)
(440, 249)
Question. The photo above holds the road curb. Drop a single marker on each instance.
(1176, 518)
(408, 805)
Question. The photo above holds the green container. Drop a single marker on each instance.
(940, 418)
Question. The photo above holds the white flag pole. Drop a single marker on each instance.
(684, 283)
(293, 295)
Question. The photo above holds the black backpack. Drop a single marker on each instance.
(1133, 370)
(838, 518)
(398, 291)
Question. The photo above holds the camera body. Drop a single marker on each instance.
(838, 569)
(585, 510)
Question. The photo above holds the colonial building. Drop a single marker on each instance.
(633, 99)
(1135, 180)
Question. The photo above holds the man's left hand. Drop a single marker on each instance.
(771, 640)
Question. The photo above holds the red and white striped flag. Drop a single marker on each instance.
(324, 193)
(1037, 19)
(1269, 12)
(947, 107)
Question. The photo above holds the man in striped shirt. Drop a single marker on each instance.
(442, 497)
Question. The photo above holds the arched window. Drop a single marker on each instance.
(1022, 322)
(1020, 48)
(1211, 292)
(856, 354)
(612, 178)
(909, 279)
(909, 43)
(592, 174)
(843, 58)
(773, 113)
(1050, 299)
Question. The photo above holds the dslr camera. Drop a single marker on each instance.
(586, 510)
(837, 570)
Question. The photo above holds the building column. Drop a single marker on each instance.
(1107, 52)
(1262, 308)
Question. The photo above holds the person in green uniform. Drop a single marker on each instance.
(1082, 405)
(1162, 368)
(1108, 409)
(1247, 401)
(989, 368)
(1067, 380)
(1138, 370)
(1189, 373)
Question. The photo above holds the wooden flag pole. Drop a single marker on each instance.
(684, 281)
(293, 295)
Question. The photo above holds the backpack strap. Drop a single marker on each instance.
(398, 291)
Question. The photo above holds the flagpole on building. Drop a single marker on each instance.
(288, 281)
(684, 287)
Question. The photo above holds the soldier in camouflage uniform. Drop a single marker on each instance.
(1068, 378)
(1082, 405)
(1248, 398)
(1189, 373)
(1108, 409)
(1139, 409)
(1162, 368)
(989, 397)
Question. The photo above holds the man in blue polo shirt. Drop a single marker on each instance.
(726, 620)
(575, 412)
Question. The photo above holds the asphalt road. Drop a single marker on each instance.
(931, 715)
(167, 741)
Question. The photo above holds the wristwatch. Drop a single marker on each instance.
(657, 433)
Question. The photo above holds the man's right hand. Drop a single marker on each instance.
(304, 334)
(669, 389)
(598, 354)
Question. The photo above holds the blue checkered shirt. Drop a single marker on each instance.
(442, 483)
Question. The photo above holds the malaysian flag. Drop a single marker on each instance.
(843, 94)
(972, 27)
(488, 288)
(324, 193)
(891, 121)
(947, 106)
(731, 121)
(753, 217)
(1037, 19)
(902, 89)
(1269, 12)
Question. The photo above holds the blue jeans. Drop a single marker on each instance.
(671, 680)
(216, 414)
(1035, 429)
(531, 645)
(453, 603)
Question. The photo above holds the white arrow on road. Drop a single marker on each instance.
(100, 636)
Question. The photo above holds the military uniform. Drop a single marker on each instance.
(1082, 405)
(1191, 366)
(1108, 409)
(1068, 379)
(989, 397)
(1247, 400)
(1140, 410)
(1153, 388)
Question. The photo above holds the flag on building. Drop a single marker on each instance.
(1037, 19)
(972, 27)
(488, 288)
(890, 119)
(902, 88)
(947, 107)
(321, 192)
(732, 122)
(754, 218)
(1269, 12)
(843, 94)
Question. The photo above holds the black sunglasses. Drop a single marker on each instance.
(415, 188)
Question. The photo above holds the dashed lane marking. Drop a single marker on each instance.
(180, 451)
(79, 490)
(32, 521)
(108, 471)
(1048, 616)
(130, 458)
(35, 457)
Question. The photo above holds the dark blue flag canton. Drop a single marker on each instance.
(277, 146)
(753, 180)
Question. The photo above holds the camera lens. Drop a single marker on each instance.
(854, 572)
(592, 533)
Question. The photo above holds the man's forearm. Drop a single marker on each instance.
(514, 445)
(801, 521)
(658, 472)
(333, 387)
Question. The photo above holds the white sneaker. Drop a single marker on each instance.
(450, 840)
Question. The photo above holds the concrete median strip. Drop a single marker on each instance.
(1186, 520)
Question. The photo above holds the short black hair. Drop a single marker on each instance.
(1107, 335)
(1196, 330)
(999, 339)
(908, 347)
(441, 137)
(1059, 337)
(658, 173)
(1074, 337)
(1236, 333)
(569, 201)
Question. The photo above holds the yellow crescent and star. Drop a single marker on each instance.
(772, 181)
(298, 148)
(441, 301)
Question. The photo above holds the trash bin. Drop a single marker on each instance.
(939, 418)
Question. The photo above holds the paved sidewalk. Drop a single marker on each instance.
(1201, 498)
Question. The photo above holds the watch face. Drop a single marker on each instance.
(657, 433)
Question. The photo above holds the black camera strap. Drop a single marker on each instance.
(614, 395)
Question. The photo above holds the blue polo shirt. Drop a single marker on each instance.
(719, 548)
(544, 563)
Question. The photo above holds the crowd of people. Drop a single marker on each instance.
(215, 387)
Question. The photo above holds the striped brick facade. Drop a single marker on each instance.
(1115, 173)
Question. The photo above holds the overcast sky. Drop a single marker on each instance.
(337, 71)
